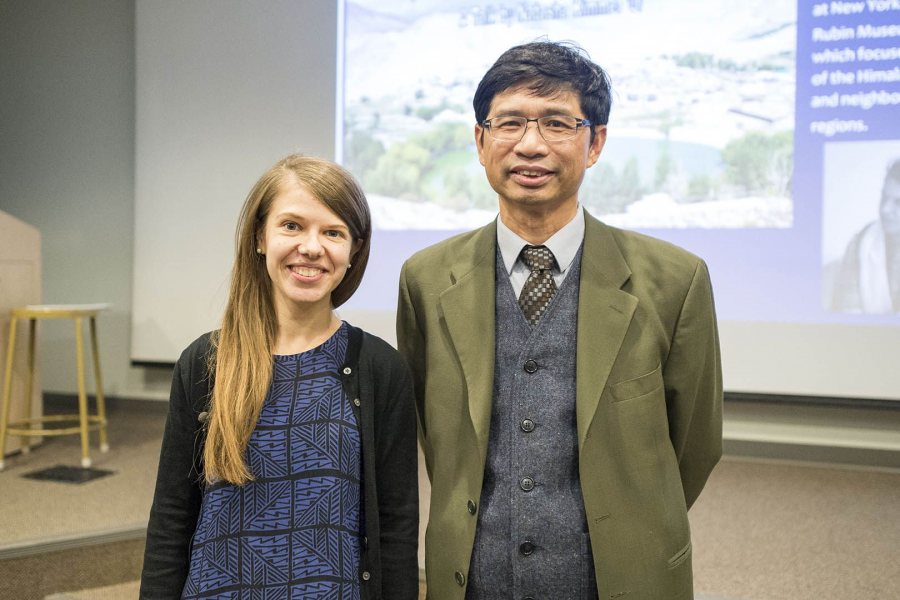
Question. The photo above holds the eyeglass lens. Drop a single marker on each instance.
(552, 128)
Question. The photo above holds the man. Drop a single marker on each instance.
(868, 277)
(569, 411)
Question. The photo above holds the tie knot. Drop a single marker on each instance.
(538, 258)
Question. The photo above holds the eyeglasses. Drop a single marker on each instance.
(555, 128)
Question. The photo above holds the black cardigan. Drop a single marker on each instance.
(376, 375)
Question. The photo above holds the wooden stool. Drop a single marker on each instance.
(86, 422)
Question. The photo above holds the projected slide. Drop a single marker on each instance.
(761, 135)
(757, 134)
(849, 92)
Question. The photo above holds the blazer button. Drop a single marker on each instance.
(526, 548)
(460, 578)
(527, 425)
(530, 366)
(471, 506)
(527, 484)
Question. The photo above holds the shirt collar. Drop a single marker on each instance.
(563, 244)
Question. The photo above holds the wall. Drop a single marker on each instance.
(218, 101)
(67, 161)
(67, 125)
(67, 168)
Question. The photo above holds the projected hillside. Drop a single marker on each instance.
(701, 130)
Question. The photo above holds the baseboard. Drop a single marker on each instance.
(823, 455)
(71, 542)
(68, 565)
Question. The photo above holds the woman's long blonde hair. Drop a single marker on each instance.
(241, 361)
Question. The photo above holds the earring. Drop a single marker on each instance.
(259, 250)
(349, 265)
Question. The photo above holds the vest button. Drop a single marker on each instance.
(471, 506)
(526, 548)
(366, 576)
(527, 484)
(527, 425)
(356, 402)
(530, 366)
(460, 578)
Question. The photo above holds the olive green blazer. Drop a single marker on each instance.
(649, 401)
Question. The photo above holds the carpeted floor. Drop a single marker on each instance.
(123, 591)
(33, 510)
(762, 530)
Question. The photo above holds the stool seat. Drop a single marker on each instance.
(83, 421)
(58, 311)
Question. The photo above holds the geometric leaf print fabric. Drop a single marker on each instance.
(292, 532)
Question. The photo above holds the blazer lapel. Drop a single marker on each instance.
(468, 309)
(604, 314)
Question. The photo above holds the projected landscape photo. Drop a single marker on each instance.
(701, 129)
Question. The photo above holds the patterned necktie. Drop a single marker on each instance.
(539, 287)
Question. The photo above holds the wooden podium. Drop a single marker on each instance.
(20, 284)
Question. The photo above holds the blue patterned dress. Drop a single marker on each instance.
(293, 532)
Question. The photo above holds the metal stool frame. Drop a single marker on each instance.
(85, 422)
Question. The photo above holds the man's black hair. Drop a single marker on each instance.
(547, 68)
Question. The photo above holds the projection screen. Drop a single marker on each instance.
(763, 143)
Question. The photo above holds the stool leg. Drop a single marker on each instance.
(7, 387)
(29, 384)
(101, 403)
(82, 394)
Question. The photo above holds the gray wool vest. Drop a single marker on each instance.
(532, 539)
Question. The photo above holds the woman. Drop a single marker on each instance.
(288, 464)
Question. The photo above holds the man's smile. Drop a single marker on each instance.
(530, 175)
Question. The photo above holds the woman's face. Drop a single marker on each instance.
(307, 249)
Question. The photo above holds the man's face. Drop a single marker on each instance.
(533, 174)
(890, 207)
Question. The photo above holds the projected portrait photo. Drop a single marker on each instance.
(861, 227)
(701, 129)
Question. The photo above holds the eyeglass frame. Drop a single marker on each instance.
(579, 123)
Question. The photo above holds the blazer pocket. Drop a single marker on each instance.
(639, 386)
(680, 556)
